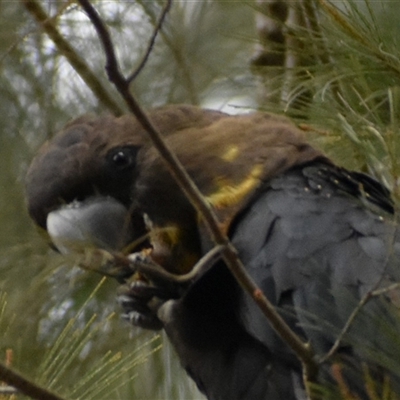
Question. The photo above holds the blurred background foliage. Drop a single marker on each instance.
(342, 87)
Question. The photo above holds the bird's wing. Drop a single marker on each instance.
(317, 243)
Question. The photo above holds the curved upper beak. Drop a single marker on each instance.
(98, 221)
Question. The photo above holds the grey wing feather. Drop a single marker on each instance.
(316, 245)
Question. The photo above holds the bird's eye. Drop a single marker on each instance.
(123, 157)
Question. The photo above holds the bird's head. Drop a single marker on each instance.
(90, 159)
(80, 185)
(104, 176)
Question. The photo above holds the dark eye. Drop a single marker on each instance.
(123, 157)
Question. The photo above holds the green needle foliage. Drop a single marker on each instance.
(344, 92)
(353, 75)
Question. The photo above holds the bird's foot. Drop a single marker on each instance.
(139, 303)
(148, 294)
(145, 291)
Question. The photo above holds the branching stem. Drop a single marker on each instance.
(229, 253)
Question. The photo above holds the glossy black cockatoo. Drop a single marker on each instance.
(315, 237)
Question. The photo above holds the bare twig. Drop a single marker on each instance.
(346, 327)
(179, 55)
(117, 265)
(176, 169)
(378, 292)
(154, 270)
(150, 46)
(80, 66)
(366, 298)
(25, 386)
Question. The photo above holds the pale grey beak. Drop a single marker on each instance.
(100, 222)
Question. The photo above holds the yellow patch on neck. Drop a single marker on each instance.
(231, 153)
(230, 194)
(168, 248)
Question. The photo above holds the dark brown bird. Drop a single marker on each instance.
(315, 237)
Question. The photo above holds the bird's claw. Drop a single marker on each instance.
(140, 303)
(145, 292)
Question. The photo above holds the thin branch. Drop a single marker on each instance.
(154, 270)
(25, 386)
(366, 298)
(118, 266)
(346, 328)
(180, 59)
(79, 65)
(204, 209)
(150, 46)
